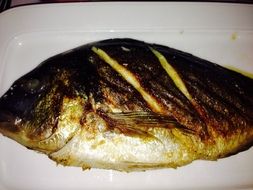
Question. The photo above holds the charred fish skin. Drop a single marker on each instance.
(128, 105)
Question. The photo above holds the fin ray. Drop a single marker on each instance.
(142, 121)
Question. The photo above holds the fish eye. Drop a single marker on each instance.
(32, 85)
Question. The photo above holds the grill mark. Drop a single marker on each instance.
(183, 114)
(172, 73)
(113, 79)
(148, 70)
(169, 96)
(230, 86)
(200, 90)
(123, 100)
(179, 83)
(152, 76)
(130, 78)
(218, 98)
(222, 122)
(116, 90)
(217, 104)
(232, 98)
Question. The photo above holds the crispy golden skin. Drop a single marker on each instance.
(127, 105)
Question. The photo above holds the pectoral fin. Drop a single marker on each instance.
(141, 122)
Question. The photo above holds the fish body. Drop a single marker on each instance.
(128, 105)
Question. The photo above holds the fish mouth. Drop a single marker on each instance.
(7, 123)
(6, 116)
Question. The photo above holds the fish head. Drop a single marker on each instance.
(30, 108)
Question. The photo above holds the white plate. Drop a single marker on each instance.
(222, 33)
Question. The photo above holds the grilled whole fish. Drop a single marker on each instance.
(128, 105)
